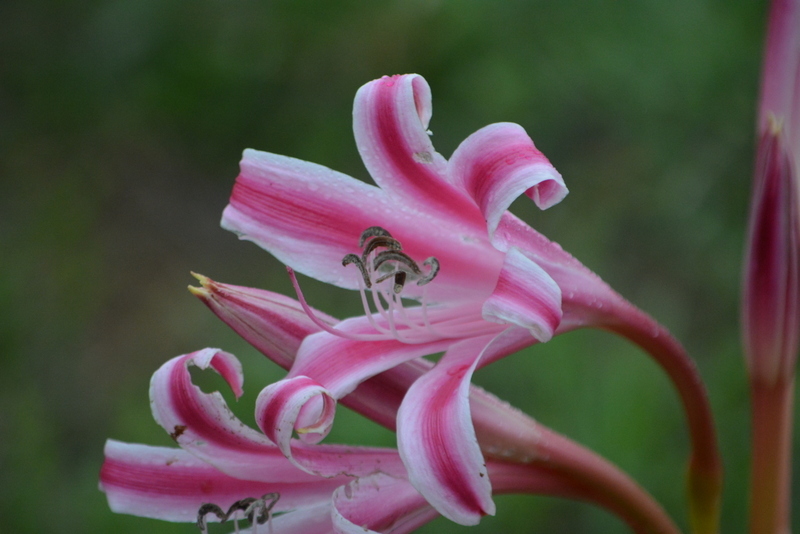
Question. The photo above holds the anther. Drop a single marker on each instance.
(352, 258)
(244, 505)
(389, 243)
(399, 281)
(433, 265)
(264, 505)
(398, 256)
(254, 510)
(373, 231)
(205, 509)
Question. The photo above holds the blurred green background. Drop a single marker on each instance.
(121, 128)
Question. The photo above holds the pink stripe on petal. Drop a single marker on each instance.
(437, 442)
(390, 121)
(307, 215)
(379, 504)
(171, 484)
(341, 364)
(279, 409)
(203, 424)
(310, 217)
(498, 163)
(525, 296)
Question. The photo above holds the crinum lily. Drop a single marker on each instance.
(425, 234)
(436, 232)
(225, 470)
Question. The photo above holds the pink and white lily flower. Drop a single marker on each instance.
(225, 465)
(427, 233)
(435, 232)
(225, 470)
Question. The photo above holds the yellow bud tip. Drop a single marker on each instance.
(199, 292)
(202, 292)
(204, 280)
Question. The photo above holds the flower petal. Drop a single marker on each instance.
(340, 364)
(307, 215)
(586, 299)
(203, 425)
(379, 503)
(437, 442)
(390, 122)
(284, 404)
(525, 296)
(171, 484)
(498, 163)
(310, 217)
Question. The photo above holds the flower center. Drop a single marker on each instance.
(382, 258)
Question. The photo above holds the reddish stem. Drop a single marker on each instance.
(705, 464)
(506, 433)
(770, 491)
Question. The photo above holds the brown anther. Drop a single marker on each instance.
(244, 505)
(376, 237)
(373, 231)
(388, 243)
(399, 281)
(352, 258)
(255, 510)
(433, 265)
(263, 514)
(398, 256)
(209, 508)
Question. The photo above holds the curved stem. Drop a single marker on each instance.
(705, 465)
(508, 434)
(544, 480)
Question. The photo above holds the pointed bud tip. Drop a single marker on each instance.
(204, 280)
(201, 292)
(206, 283)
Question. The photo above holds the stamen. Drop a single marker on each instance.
(433, 265)
(399, 281)
(373, 231)
(368, 310)
(376, 237)
(381, 241)
(263, 509)
(382, 258)
(352, 258)
(398, 256)
(322, 324)
(256, 511)
(205, 509)
(243, 505)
